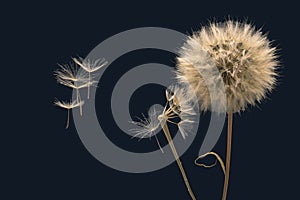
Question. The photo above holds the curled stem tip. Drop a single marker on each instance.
(218, 159)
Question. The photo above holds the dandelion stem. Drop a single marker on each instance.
(68, 119)
(170, 141)
(78, 98)
(88, 96)
(228, 155)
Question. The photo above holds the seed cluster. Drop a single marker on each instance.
(243, 56)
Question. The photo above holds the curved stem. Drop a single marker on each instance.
(228, 155)
(209, 166)
(170, 141)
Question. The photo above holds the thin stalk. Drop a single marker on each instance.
(89, 85)
(78, 98)
(68, 119)
(170, 141)
(228, 155)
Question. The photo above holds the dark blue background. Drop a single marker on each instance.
(42, 160)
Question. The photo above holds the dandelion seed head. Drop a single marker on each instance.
(148, 126)
(179, 110)
(183, 103)
(243, 56)
(181, 98)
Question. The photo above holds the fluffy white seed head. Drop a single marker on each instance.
(182, 102)
(181, 99)
(179, 110)
(243, 56)
(148, 126)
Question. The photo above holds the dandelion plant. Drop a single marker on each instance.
(68, 105)
(179, 110)
(90, 67)
(246, 61)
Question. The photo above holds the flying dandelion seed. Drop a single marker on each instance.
(68, 105)
(71, 72)
(90, 67)
(70, 76)
(247, 64)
